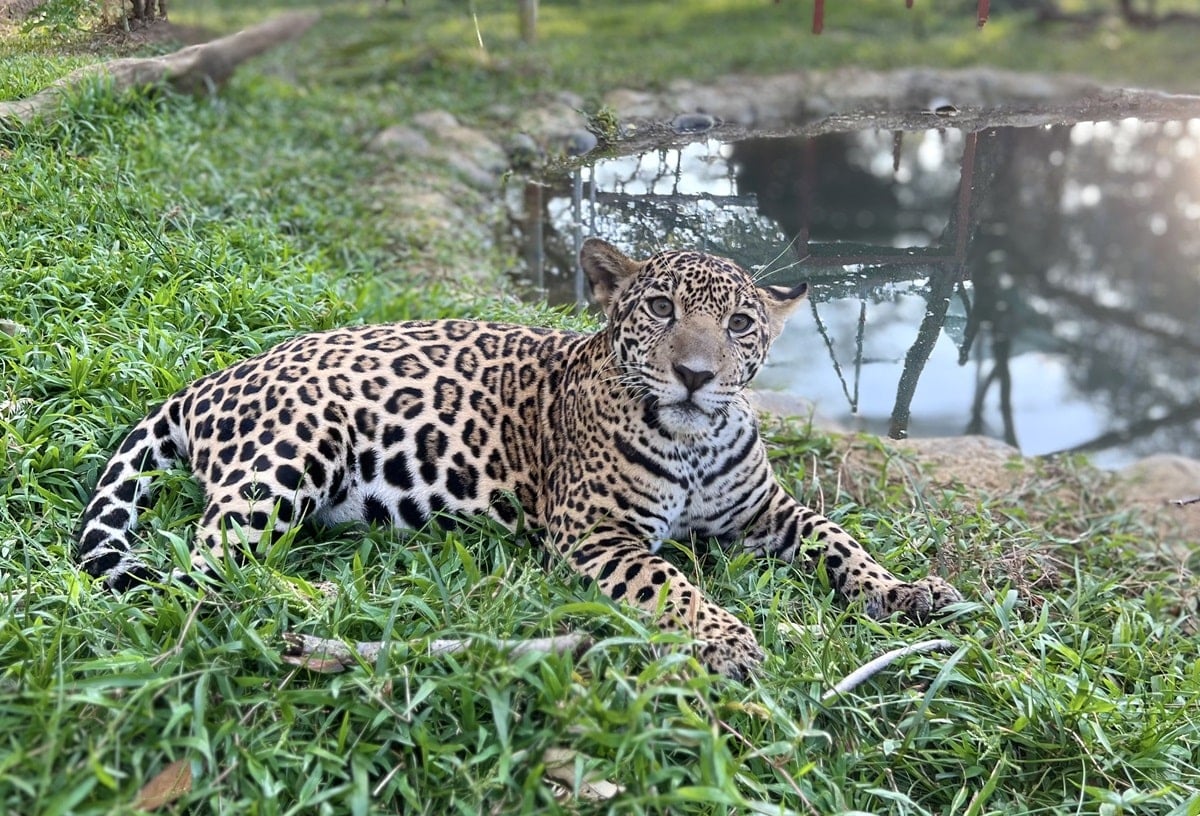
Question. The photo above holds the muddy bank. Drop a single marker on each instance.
(975, 468)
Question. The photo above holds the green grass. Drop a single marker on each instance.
(145, 241)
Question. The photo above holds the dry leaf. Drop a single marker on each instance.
(560, 771)
(172, 782)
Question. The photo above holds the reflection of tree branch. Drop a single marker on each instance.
(1001, 354)
(836, 279)
(1136, 430)
(1113, 314)
(941, 287)
(846, 253)
(975, 424)
(972, 327)
(837, 367)
(978, 172)
(671, 201)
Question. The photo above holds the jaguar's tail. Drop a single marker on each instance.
(104, 539)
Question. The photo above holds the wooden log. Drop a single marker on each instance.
(197, 68)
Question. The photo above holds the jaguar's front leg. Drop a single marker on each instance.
(625, 570)
(788, 530)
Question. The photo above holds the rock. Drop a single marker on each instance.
(975, 466)
(1152, 485)
(399, 140)
(569, 99)
(969, 465)
(579, 142)
(436, 120)
(694, 123)
(634, 104)
(438, 135)
(444, 129)
(522, 150)
(784, 102)
(1163, 477)
(980, 462)
(790, 406)
(549, 124)
(424, 209)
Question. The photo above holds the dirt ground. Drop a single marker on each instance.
(13, 12)
(114, 34)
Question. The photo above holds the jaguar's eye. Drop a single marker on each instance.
(740, 323)
(661, 307)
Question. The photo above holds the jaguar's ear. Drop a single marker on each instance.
(781, 301)
(608, 270)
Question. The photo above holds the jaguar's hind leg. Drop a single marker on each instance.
(238, 519)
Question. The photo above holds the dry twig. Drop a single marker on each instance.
(869, 670)
(329, 655)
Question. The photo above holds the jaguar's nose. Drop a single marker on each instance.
(692, 379)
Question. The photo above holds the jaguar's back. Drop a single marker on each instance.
(607, 443)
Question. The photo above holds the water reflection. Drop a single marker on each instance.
(1037, 284)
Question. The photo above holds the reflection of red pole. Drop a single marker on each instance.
(818, 16)
(966, 184)
(808, 184)
(981, 12)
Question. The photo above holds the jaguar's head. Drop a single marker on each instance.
(688, 331)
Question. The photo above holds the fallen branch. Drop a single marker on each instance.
(193, 69)
(869, 670)
(328, 655)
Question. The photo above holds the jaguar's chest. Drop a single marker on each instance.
(690, 488)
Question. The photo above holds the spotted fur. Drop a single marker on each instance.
(608, 443)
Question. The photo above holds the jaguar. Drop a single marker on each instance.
(606, 444)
